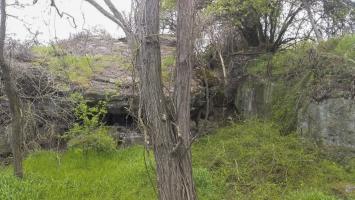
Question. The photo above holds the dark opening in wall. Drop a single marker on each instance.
(124, 120)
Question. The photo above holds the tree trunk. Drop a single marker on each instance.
(14, 100)
(168, 127)
(170, 140)
(315, 27)
(185, 23)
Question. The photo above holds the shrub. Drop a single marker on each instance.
(90, 135)
(99, 142)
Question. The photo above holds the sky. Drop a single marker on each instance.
(43, 18)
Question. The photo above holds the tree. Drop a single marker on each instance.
(335, 17)
(14, 101)
(263, 23)
(185, 27)
(167, 126)
(316, 30)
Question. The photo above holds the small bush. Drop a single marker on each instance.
(90, 135)
(99, 142)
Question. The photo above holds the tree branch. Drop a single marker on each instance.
(116, 17)
(61, 14)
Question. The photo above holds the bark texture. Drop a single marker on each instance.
(11, 93)
(167, 126)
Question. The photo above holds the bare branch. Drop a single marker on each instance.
(61, 14)
(115, 17)
(118, 15)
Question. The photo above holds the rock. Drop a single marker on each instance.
(331, 122)
(344, 190)
(4, 143)
(253, 98)
(350, 189)
(125, 136)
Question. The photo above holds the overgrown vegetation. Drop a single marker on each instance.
(89, 134)
(77, 69)
(253, 161)
(243, 161)
(306, 72)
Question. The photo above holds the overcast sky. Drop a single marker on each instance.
(41, 17)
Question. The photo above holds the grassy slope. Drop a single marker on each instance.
(76, 69)
(246, 161)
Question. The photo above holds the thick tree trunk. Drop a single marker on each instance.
(14, 100)
(170, 140)
(168, 127)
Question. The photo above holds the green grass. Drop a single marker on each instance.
(167, 63)
(77, 69)
(243, 161)
(73, 176)
(252, 161)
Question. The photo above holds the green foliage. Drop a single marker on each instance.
(243, 161)
(338, 11)
(98, 141)
(168, 5)
(237, 10)
(43, 51)
(346, 47)
(298, 73)
(91, 117)
(90, 135)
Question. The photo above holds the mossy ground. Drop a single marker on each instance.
(242, 161)
(76, 69)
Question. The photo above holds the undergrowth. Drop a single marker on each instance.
(306, 73)
(244, 161)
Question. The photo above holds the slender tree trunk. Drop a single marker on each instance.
(14, 100)
(185, 23)
(315, 27)
(223, 67)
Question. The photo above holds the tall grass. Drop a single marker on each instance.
(243, 161)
